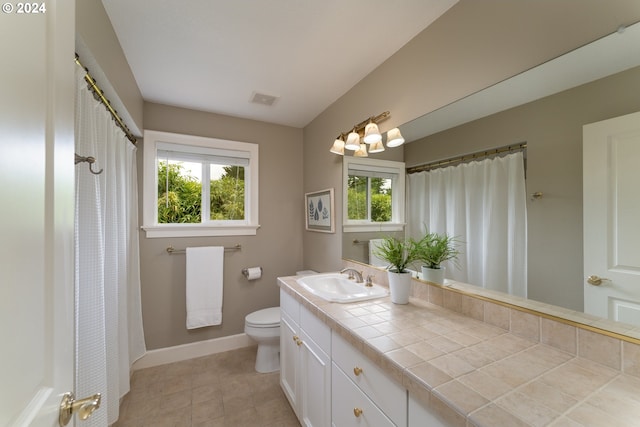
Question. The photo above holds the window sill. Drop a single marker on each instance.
(198, 230)
(358, 228)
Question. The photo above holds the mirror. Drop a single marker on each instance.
(545, 107)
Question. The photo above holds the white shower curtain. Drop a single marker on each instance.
(109, 336)
(483, 203)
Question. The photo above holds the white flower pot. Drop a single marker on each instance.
(400, 287)
(433, 275)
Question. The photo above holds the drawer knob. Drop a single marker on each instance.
(357, 371)
(357, 412)
(295, 338)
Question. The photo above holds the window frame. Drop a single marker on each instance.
(371, 166)
(155, 141)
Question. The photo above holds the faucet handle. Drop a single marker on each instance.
(369, 281)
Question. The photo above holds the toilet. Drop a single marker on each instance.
(263, 326)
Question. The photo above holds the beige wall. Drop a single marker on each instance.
(97, 43)
(277, 247)
(473, 45)
(552, 129)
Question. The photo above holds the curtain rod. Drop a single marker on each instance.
(467, 157)
(99, 93)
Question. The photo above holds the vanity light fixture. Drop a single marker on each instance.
(371, 133)
(338, 145)
(366, 136)
(394, 138)
(353, 141)
(362, 151)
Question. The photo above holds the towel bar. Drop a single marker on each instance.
(171, 250)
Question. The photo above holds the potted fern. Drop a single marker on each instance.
(433, 250)
(399, 254)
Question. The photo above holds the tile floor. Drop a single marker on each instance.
(213, 391)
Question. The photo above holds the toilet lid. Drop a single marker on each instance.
(264, 318)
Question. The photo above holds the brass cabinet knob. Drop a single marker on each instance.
(295, 338)
(357, 412)
(357, 371)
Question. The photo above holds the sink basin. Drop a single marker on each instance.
(335, 287)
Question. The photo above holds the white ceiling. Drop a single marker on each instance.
(214, 55)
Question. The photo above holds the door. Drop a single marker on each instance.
(36, 226)
(289, 359)
(315, 384)
(611, 205)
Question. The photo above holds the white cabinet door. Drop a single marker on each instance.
(305, 367)
(36, 169)
(420, 416)
(315, 384)
(289, 359)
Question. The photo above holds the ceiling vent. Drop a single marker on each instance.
(263, 99)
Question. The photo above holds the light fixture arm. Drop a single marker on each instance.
(365, 134)
(359, 128)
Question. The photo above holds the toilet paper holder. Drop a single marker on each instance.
(249, 273)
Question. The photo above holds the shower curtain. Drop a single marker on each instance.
(109, 336)
(483, 204)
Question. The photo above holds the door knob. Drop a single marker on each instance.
(83, 407)
(595, 280)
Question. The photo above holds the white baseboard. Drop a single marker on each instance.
(178, 353)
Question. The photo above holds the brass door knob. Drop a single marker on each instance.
(357, 371)
(595, 280)
(357, 412)
(83, 407)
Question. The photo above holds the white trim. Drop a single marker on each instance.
(154, 141)
(360, 228)
(193, 350)
(382, 167)
(33, 408)
(199, 230)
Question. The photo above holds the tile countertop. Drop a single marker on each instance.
(476, 374)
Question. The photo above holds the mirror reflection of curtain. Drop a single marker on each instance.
(109, 335)
(483, 204)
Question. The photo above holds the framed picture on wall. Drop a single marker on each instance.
(320, 211)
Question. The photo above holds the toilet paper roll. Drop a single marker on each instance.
(253, 273)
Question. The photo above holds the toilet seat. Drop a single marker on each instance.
(265, 318)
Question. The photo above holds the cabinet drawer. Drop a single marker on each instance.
(390, 396)
(289, 305)
(316, 329)
(347, 398)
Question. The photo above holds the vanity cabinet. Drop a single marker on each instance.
(305, 365)
(363, 395)
(420, 416)
(331, 383)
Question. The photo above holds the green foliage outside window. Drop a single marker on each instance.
(227, 195)
(357, 198)
(182, 203)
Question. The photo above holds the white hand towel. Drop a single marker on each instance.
(204, 286)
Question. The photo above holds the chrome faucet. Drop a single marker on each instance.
(353, 274)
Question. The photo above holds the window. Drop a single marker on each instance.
(373, 195)
(196, 186)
